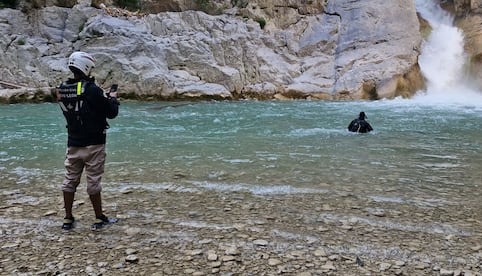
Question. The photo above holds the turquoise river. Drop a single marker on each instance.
(420, 153)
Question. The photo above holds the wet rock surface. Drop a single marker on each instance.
(210, 232)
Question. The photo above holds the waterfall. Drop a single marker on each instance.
(442, 59)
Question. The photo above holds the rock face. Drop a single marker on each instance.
(469, 19)
(462, 7)
(325, 49)
(277, 12)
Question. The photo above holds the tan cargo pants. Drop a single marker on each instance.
(89, 158)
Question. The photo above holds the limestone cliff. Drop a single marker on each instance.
(469, 19)
(251, 49)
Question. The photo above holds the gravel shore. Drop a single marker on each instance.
(183, 232)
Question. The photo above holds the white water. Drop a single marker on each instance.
(442, 61)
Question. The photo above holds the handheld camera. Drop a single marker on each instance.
(113, 88)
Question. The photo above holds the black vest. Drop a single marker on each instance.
(81, 118)
(71, 101)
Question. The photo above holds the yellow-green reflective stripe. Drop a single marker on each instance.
(79, 88)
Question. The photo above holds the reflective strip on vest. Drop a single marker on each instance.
(79, 88)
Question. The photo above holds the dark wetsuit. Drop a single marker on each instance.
(360, 125)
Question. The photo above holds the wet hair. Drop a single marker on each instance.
(362, 116)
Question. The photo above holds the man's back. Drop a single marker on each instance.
(86, 113)
(360, 125)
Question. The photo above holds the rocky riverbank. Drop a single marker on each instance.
(193, 232)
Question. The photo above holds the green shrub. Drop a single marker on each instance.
(8, 4)
(132, 5)
(262, 22)
(20, 42)
(239, 3)
(203, 5)
(81, 27)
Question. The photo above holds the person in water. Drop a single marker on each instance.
(360, 125)
(86, 109)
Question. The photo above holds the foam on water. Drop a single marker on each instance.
(125, 187)
(432, 228)
(386, 199)
(237, 161)
(303, 132)
(256, 189)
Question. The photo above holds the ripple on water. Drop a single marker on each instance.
(257, 189)
(431, 228)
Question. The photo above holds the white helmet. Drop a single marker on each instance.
(82, 61)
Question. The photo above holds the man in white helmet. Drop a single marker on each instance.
(86, 109)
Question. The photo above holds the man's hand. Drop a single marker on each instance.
(113, 91)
